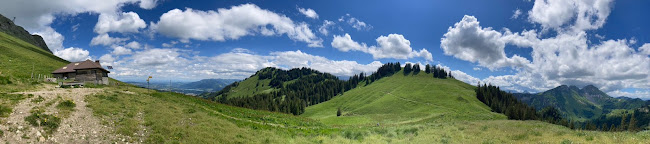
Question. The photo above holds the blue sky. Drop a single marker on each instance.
(518, 45)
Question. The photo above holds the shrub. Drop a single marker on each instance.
(48, 122)
(38, 99)
(66, 104)
(5, 80)
(5, 111)
(338, 112)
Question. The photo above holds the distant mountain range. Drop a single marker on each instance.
(579, 104)
(190, 88)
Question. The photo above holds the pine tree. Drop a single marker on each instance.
(407, 68)
(622, 127)
(632, 123)
(416, 69)
(435, 72)
(427, 69)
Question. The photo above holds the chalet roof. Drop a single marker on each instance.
(72, 67)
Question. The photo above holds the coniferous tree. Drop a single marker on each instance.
(632, 123)
(427, 69)
(435, 72)
(407, 68)
(416, 69)
(622, 126)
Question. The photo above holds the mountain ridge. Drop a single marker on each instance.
(9, 27)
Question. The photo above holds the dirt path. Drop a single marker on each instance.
(78, 127)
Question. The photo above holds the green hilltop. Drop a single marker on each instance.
(401, 99)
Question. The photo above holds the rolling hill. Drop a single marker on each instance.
(579, 104)
(400, 99)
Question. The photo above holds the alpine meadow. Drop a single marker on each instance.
(171, 71)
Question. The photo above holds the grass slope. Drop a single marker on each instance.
(17, 58)
(400, 99)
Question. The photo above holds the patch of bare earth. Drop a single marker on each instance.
(78, 127)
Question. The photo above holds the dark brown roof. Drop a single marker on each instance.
(72, 67)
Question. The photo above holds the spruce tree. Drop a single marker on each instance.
(427, 69)
(632, 123)
(623, 126)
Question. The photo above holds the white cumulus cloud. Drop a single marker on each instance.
(310, 13)
(106, 40)
(73, 54)
(467, 40)
(391, 46)
(226, 24)
(127, 22)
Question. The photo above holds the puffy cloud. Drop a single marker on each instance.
(355, 23)
(157, 57)
(467, 40)
(577, 15)
(73, 54)
(53, 39)
(106, 40)
(345, 43)
(645, 49)
(310, 13)
(323, 29)
(170, 44)
(148, 4)
(516, 14)
(134, 45)
(391, 46)
(119, 50)
(121, 22)
(233, 23)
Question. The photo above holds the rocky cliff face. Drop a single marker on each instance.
(7, 26)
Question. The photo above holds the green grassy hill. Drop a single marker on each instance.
(18, 59)
(400, 99)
